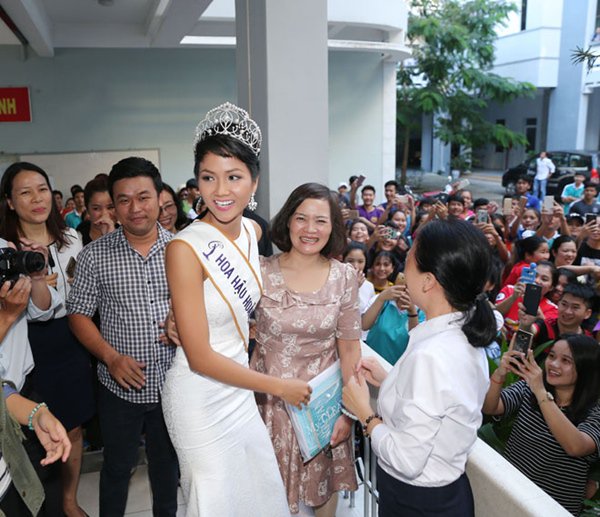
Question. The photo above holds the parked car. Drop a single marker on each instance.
(566, 162)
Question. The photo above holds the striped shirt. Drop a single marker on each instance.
(4, 473)
(131, 295)
(533, 450)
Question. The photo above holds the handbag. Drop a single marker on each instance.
(389, 335)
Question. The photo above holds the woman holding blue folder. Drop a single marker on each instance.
(307, 318)
(429, 405)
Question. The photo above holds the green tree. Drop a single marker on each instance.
(450, 75)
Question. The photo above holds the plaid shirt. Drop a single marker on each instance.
(131, 295)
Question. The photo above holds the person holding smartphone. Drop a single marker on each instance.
(428, 414)
(574, 307)
(557, 426)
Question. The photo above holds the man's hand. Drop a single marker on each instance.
(127, 371)
(14, 301)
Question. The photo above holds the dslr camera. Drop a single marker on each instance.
(15, 263)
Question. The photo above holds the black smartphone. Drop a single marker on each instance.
(590, 218)
(360, 181)
(532, 298)
(523, 340)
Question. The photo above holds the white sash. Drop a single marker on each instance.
(228, 268)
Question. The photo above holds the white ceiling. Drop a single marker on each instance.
(50, 24)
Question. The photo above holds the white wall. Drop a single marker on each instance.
(355, 118)
(515, 115)
(86, 100)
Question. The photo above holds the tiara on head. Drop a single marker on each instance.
(228, 119)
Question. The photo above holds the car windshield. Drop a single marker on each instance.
(559, 159)
(579, 160)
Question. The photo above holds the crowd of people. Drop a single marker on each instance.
(166, 314)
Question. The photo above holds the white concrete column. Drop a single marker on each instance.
(388, 150)
(282, 74)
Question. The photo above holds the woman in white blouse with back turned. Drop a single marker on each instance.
(429, 406)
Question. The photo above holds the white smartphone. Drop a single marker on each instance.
(463, 184)
(548, 205)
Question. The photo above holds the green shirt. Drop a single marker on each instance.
(22, 473)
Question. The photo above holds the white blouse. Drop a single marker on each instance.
(431, 404)
(61, 260)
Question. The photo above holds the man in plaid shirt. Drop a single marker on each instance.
(122, 276)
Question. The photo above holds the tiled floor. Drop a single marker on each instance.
(139, 503)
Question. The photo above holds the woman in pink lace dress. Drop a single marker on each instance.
(307, 318)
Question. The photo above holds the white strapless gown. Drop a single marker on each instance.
(228, 467)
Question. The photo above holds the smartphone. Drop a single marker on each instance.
(523, 340)
(548, 205)
(590, 218)
(463, 184)
(528, 274)
(403, 199)
(482, 217)
(360, 181)
(532, 298)
(353, 214)
(391, 233)
(400, 279)
(507, 206)
(70, 269)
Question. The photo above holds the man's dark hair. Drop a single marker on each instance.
(133, 167)
(588, 183)
(392, 183)
(368, 187)
(55, 192)
(525, 177)
(455, 197)
(583, 292)
(480, 201)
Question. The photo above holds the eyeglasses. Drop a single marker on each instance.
(168, 207)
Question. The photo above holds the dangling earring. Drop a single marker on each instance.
(198, 205)
(252, 204)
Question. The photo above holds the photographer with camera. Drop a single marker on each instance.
(24, 295)
(62, 376)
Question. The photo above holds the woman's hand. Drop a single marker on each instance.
(529, 371)
(52, 280)
(14, 300)
(381, 232)
(295, 392)
(404, 302)
(402, 244)
(392, 292)
(360, 275)
(519, 290)
(28, 245)
(52, 436)
(525, 320)
(341, 430)
(371, 369)
(356, 397)
(170, 335)
(105, 225)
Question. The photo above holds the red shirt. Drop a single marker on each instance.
(511, 319)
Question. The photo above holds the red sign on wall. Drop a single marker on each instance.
(14, 105)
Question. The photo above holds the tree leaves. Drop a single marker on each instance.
(450, 75)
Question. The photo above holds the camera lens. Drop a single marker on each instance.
(28, 262)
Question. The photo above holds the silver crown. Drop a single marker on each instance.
(228, 119)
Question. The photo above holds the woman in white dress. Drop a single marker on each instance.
(228, 467)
